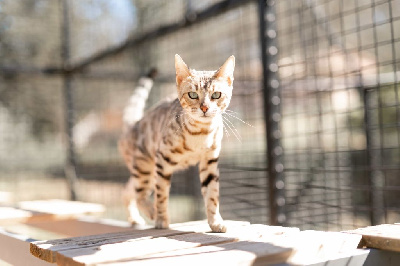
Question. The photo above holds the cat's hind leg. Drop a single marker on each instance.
(129, 198)
(164, 170)
(137, 191)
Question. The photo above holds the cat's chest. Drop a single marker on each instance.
(195, 147)
(201, 142)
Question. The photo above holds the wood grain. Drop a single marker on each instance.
(202, 226)
(77, 227)
(47, 250)
(46, 210)
(237, 253)
(385, 236)
(61, 208)
(314, 246)
(15, 250)
(129, 250)
(193, 243)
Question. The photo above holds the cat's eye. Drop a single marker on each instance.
(193, 95)
(216, 95)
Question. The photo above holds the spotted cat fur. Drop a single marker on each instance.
(174, 135)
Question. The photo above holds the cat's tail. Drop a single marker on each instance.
(133, 112)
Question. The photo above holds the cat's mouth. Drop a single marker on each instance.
(205, 117)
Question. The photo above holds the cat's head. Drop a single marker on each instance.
(204, 94)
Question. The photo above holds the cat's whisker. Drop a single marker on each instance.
(233, 116)
(233, 129)
(226, 131)
(231, 112)
(233, 132)
(227, 110)
(232, 126)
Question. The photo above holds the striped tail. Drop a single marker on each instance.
(133, 112)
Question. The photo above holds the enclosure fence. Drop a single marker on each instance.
(313, 137)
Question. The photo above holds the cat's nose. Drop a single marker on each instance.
(204, 108)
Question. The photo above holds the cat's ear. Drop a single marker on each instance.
(226, 70)
(182, 70)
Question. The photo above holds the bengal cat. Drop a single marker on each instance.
(174, 135)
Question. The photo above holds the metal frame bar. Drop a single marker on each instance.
(272, 111)
(70, 164)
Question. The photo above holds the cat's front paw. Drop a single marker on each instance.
(162, 223)
(218, 227)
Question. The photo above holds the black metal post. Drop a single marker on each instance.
(70, 164)
(375, 174)
(272, 111)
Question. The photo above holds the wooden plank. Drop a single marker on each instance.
(15, 250)
(313, 246)
(46, 250)
(378, 257)
(333, 242)
(202, 226)
(33, 232)
(107, 253)
(258, 232)
(385, 236)
(10, 215)
(261, 253)
(355, 257)
(177, 245)
(80, 227)
(43, 210)
(237, 253)
(61, 208)
(309, 246)
(130, 249)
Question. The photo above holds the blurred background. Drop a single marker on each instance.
(314, 134)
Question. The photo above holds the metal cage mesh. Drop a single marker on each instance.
(339, 71)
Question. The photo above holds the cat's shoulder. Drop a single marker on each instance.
(167, 103)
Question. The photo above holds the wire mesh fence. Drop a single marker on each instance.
(315, 129)
(339, 80)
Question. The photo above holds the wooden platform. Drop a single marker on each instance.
(44, 219)
(82, 240)
(192, 243)
(384, 236)
(45, 210)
